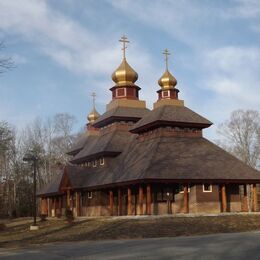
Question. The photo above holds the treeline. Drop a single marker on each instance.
(49, 140)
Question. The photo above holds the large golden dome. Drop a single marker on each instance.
(124, 75)
(167, 80)
(93, 116)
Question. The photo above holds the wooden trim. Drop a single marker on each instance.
(141, 199)
(245, 199)
(68, 198)
(186, 198)
(223, 198)
(129, 201)
(254, 198)
(111, 202)
(148, 200)
(119, 197)
(78, 203)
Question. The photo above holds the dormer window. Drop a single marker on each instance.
(102, 161)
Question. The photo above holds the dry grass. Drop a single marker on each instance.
(17, 231)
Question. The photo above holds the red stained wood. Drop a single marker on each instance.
(111, 202)
(254, 191)
(119, 202)
(141, 198)
(129, 201)
(148, 199)
(186, 198)
(78, 210)
(224, 198)
(68, 199)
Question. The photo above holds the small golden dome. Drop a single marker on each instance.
(93, 116)
(167, 80)
(124, 75)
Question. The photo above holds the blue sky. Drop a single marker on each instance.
(66, 49)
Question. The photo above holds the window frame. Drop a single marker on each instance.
(102, 161)
(203, 187)
(90, 194)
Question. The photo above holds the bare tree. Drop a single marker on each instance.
(6, 63)
(241, 135)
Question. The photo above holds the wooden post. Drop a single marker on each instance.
(254, 191)
(68, 199)
(186, 198)
(141, 198)
(119, 194)
(148, 199)
(245, 199)
(111, 202)
(60, 205)
(129, 201)
(224, 198)
(49, 207)
(77, 203)
(54, 206)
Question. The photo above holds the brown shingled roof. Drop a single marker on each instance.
(120, 113)
(166, 159)
(78, 144)
(170, 115)
(52, 188)
(109, 143)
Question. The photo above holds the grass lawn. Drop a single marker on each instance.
(56, 230)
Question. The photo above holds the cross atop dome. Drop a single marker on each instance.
(124, 40)
(166, 53)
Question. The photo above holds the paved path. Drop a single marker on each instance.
(220, 246)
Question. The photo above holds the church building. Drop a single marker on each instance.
(135, 161)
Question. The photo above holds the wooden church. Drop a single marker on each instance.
(136, 161)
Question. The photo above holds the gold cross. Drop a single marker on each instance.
(166, 53)
(94, 98)
(124, 40)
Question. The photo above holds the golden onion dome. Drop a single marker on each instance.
(124, 75)
(167, 80)
(93, 116)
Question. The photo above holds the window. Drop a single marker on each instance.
(165, 93)
(181, 188)
(121, 92)
(102, 161)
(94, 163)
(90, 195)
(207, 188)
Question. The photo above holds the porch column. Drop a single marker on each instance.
(186, 198)
(60, 205)
(54, 205)
(254, 191)
(245, 199)
(49, 207)
(68, 199)
(77, 203)
(129, 201)
(119, 195)
(141, 198)
(111, 202)
(41, 206)
(148, 199)
(224, 198)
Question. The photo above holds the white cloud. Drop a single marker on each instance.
(234, 72)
